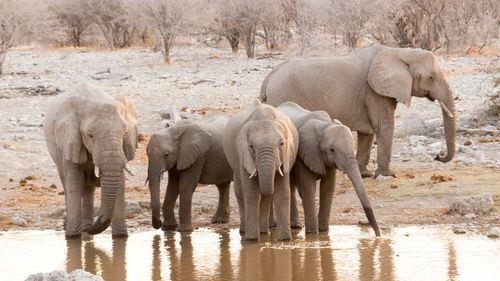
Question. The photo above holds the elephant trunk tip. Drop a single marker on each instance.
(372, 220)
(99, 226)
(446, 158)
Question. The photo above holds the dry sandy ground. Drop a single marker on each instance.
(206, 79)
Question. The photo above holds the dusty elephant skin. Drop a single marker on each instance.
(324, 147)
(261, 144)
(191, 152)
(91, 136)
(361, 90)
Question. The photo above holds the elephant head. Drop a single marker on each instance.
(327, 145)
(98, 129)
(266, 147)
(176, 147)
(403, 73)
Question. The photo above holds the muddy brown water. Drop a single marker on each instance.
(345, 253)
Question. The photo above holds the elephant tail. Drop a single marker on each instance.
(263, 94)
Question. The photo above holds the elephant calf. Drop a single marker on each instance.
(324, 147)
(260, 144)
(91, 136)
(191, 152)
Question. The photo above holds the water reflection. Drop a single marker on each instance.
(346, 253)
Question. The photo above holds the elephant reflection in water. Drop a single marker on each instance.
(369, 268)
(97, 261)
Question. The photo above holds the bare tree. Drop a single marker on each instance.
(277, 23)
(72, 15)
(166, 17)
(11, 22)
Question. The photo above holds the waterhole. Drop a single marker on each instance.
(345, 253)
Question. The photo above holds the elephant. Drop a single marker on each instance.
(260, 144)
(191, 151)
(91, 136)
(362, 90)
(324, 147)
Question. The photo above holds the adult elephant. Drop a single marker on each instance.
(91, 136)
(260, 144)
(324, 147)
(191, 152)
(361, 90)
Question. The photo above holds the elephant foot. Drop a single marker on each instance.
(166, 227)
(252, 239)
(366, 174)
(385, 173)
(185, 228)
(295, 224)
(324, 228)
(119, 235)
(73, 236)
(313, 229)
(219, 219)
(156, 223)
(285, 237)
(272, 222)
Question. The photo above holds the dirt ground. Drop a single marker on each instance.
(207, 79)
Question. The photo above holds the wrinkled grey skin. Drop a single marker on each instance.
(259, 142)
(85, 129)
(362, 90)
(324, 147)
(191, 152)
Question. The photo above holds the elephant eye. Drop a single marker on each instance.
(166, 155)
(90, 136)
(332, 150)
(431, 78)
(251, 146)
(282, 144)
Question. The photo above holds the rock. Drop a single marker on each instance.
(417, 140)
(132, 207)
(145, 204)
(418, 150)
(470, 216)
(16, 220)
(459, 230)
(80, 275)
(170, 113)
(434, 148)
(59, 212)
(58, 275)
(477, 204)
(381, 178)
(494, 233)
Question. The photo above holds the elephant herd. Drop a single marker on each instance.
(299, 133)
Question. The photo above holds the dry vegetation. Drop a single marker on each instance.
(458, 26)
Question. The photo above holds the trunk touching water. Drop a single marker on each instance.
(266, 170)
(154, 190)
(355, 176)
(449, 128)
(112, 184)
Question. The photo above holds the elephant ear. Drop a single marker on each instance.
(193, 142)
(390, 76)
(130, 140)
(243, 147)
(68, 136)
(291, 146)
(309, 147)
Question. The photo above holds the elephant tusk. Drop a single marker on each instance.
(96, 171)
(280, 171)
(253, 174)
(129, 170)
(445, 109)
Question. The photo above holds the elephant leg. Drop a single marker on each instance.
(306, 184)
(326, 191)
(88, 205)
(169, 221)
(282, 206)
(118, 223)
(272, 216)
(188, 181)
(384, 150)
(264, 213)
(238, 193)
(365, 142)
(73, 186)
(294, 212)
(251, 197)
(222, 213)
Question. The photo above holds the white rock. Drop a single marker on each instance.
(494, 232)
(16, 220)
(419, 149)
(417, 140)
(132, 207)
(59, 212)
(80, 275)
(435, 148)
(381, 178)
(476, 204)
(470, 216)
(56, 275)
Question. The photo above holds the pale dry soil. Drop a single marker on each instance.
(206, 79)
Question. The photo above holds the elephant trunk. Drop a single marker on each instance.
(266, 170)
(112, 185)
(448, 108)
(154, 190)
(355, 176)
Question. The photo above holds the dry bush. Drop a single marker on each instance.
(166, 17)
(74, 19)
(351, 17)
(306, 22)
(277, 23)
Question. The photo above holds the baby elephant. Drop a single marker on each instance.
(191, 152)
(324, 147)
